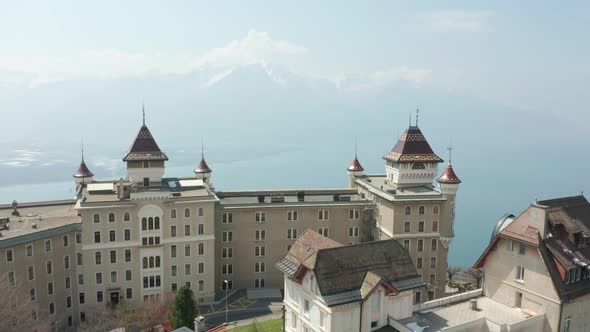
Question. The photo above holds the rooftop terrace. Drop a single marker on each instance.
(380, 186)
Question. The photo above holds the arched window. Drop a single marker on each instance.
(150, 223)
(418, 166)
(201, 249)
(126, 216)
(408, 210)
(157, 261)
(143, 224)
(111, 217)
(173, 214)
(157, 223)
(421, 210)
(151, 262)
(145, 263)
(97, 218)
(187, 213)
(435, 209)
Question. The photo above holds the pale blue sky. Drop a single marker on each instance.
(533, 55)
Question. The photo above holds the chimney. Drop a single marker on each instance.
(120, 189)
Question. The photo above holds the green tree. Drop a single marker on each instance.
(184, 309)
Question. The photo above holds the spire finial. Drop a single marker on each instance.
(410, 119)
(417, 114)
(202, 149)
(82, 148)
(355, 147)
(143, 113)
(450, 148)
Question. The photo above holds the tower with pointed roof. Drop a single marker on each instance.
(355, 170)
(203, 172)
(145, 161)
(83, 175)
(411, 161)
(448, 185)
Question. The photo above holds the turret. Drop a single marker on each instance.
(83, 175)
(203, 172)
(354, 171)
(449, 185)
(145, 161)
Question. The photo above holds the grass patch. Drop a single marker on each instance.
(273, 325)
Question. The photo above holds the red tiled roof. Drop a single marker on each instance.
(449, 176)
(83, 171)
(355, 166)
(144, 147)
(412, 147)
(203, 167)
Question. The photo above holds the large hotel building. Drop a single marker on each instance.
(128, 240)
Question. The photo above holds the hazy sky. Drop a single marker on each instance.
(523, 54)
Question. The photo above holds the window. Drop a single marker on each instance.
(113, 255)
(354, 214)
(173, 271)
(227, 218)
(259, 283)
(66, 262)
(353, 231)
(128, 275)
(172, 231)
(78, 238)
(200, 212)
(201, 249)
(144, 224)
(323, 214)
(323, 231)
(96, 237)
(97, 258)
(418, 262)
(433, 262)
(80, 279)
(259, 268)
(127, 235)
(227, 252)
(174, 287)
(408, 211)
(157, 223)
(433, 244)
(521, 248)
(113, 276)
(260, 251)
(260, 216)
(260, 235)
(201, 229)
(112, 237)
(509, 245)
(29, 250)
(144, 263)
(126, 216)
(50, 288)
(435, 226)
(292, 215)
(187, 269)
(421, 227)
(150, 223)
(173, 214)
(129, 293)
(421, 210)
(420, 245)
(518, 300)
(435, 209)
(228, 236)
(49, 267)
(407, 244)
(98, 278)
(66, 240)
(51, 308)
(407, 225)
(417, 297)
(68, 283)
(127, 255)
(173, 251)
(306, 307)
(292, 233)
(99, 296)
(111, 217)
(31, 273)
(187, 213)
(187, 230)
(32, 294)
(201, 268)
(229, 285)
(227, 269)
(96, 218)
(201, 285)
(11, 280)
(520, 273)
(187, 250)
(9, 255)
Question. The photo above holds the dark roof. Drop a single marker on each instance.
(412, 147)
(344, 273)
(83, 171)
(449, 176)
(203, 167)
(145, 147)
(573, 213)
(355, 166)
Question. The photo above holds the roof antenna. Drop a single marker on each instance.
(143, 112)
(417, 114)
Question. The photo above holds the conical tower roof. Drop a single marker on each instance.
(355, 165)
(203, 167)
(411, 147)
(83, 171)
(144, 147)
(449, 176)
